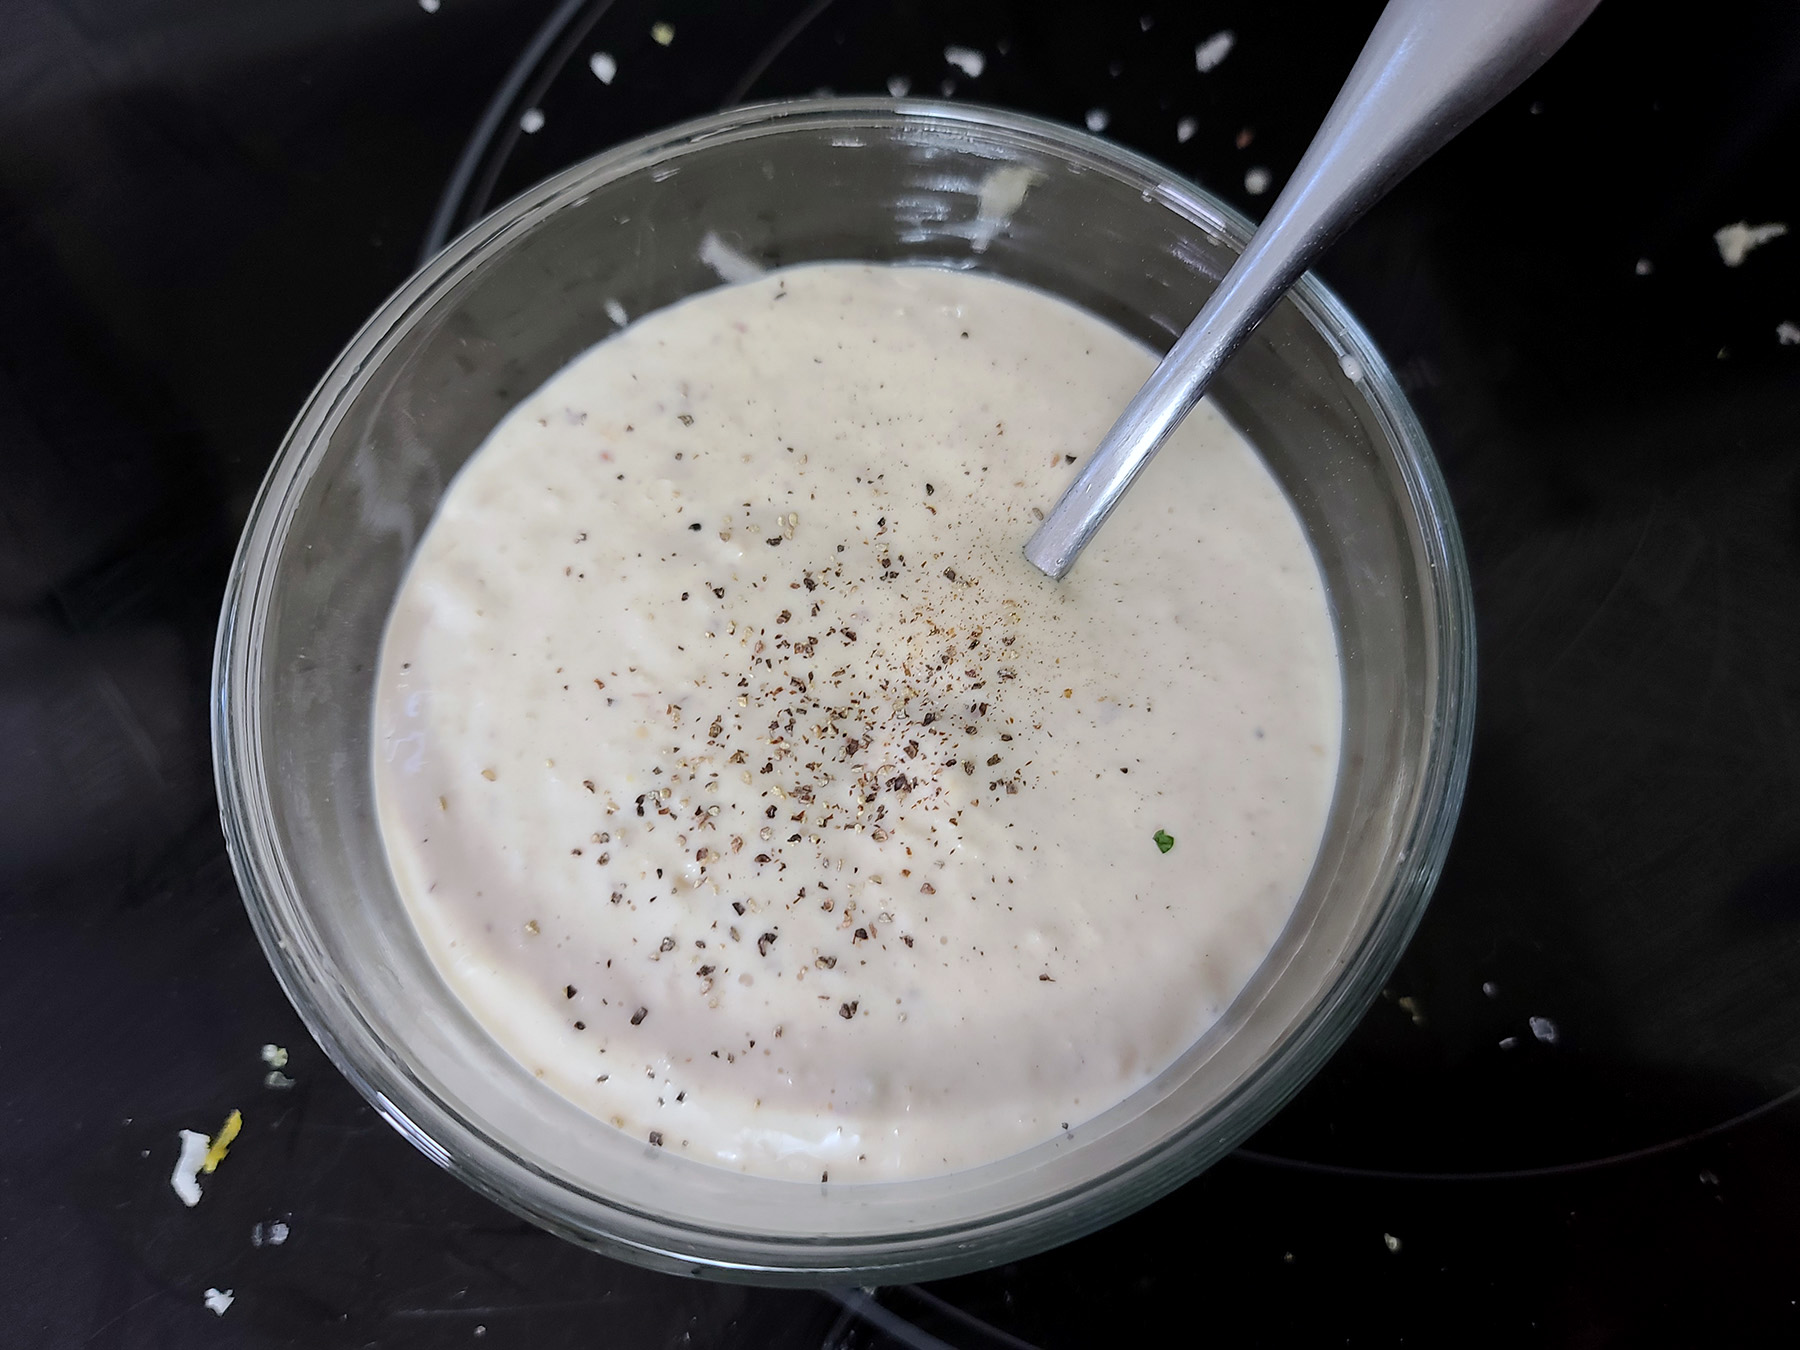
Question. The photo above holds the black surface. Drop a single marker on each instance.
(199, 202)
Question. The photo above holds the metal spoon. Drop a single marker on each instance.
(1429, 69)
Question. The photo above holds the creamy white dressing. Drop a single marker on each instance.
(747, 784)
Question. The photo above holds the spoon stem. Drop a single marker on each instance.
(1429, 69)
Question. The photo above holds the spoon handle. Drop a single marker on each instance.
(1429, 69)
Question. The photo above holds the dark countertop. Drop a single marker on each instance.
(200, 202)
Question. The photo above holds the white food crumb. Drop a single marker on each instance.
(430, 7)
(270, 1234)
(1002, 193)
(1736, 241)
(616, 312)
(1214, 50)
(532, 121)
(274, 1056)
(1788, 334)
(1144, 23)
(218, 1300)
(185, 1177)
(1185, 129)
(603, 66)
(1644, 267)
(968, 60)
(1491, 989)
(662, 33)
(1097, 119)
(278, 1080)
(1257, 180)
(899, 86)
(1509, 1042)
(1393, 1243)
(1544, 1029)
(1351, 367)
(731, 265)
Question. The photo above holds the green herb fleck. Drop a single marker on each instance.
(1164, 840)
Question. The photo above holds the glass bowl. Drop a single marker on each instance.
(508, 304)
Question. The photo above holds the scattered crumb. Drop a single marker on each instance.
(221, 1145)
(1509, 1042)
(968, 60)
(532, 122)
(899, 86)
(278, 1080)
(274, 1056)
(616, 312)
(1185, 129)
(1351, 367)
(1257, 180)
(1644, 267)
(271, 1233)
(1215, 49)
(1393, 1243)
(185, 1177)
(728, 262)
(218, 1300)
(1002, 193)
(662, 34)
(1787, 334)
(603, 66)
(1544, 1029)
(1491, 989)
(1736, 241)
(1097, 118)
(430, 7)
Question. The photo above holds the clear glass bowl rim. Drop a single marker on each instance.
(438, 1129)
